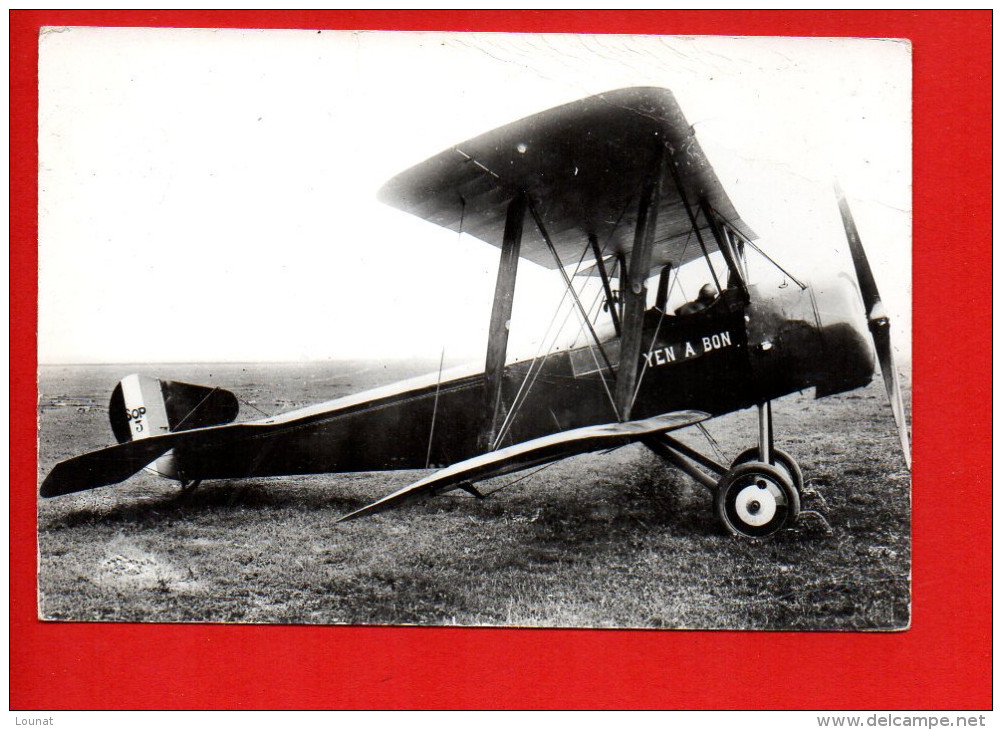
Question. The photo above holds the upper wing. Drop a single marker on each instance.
(582, 165)
(532, 453)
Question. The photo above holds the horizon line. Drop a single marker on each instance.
(245, 362)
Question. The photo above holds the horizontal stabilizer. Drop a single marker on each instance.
(117, 463)
(106, 466)
(533, 453)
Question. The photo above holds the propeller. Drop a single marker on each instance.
(878, 322)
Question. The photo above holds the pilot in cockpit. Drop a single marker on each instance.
(707, 295)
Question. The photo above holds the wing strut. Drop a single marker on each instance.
(634, 294)
(661, 303)
(570, 287)
(609, 299)
(504, 294)
(724, 244)
(692, 218)
(661, 300)
(622, 275)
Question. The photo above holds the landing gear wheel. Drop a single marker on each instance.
(780, 459)
(756, 500)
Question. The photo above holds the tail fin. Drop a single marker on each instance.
(142, 406)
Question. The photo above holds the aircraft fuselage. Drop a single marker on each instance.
(730, 356)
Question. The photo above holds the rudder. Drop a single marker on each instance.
(142, 406)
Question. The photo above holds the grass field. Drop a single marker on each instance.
(613, 540)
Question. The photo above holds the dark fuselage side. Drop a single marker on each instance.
(703, 361)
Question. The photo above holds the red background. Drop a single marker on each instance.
(942, 662)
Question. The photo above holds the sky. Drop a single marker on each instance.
(210, 195)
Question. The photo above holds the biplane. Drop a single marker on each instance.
(612, 191)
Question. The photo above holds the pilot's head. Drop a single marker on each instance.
(708, 293)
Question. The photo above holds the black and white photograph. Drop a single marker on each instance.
(522, 330)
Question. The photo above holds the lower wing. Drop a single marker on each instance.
(533, 453)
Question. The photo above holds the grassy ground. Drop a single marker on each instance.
(597, 540)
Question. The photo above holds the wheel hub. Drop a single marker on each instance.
(755, 505)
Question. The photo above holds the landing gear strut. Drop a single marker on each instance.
(779, 459)
(187, 487)
(758, 495)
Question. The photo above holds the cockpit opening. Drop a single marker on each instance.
(707, 295)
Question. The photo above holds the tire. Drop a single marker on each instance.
(756, 500)
(779, 459)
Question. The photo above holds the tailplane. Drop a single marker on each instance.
(142, 406)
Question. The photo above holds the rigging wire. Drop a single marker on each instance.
(441, 360)
(434, 410)
(761, 252)
(516, 481)
(796, 281)
(524, 391)
(512, 412)
(713, 442)
(693, 217)
(199, 405)
(251, 405)
(567, 282)
(156, 472)
(516, 404)
(535, 368)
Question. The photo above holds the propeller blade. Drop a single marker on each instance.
(877, 321)
(867, 284)
(886, 356)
